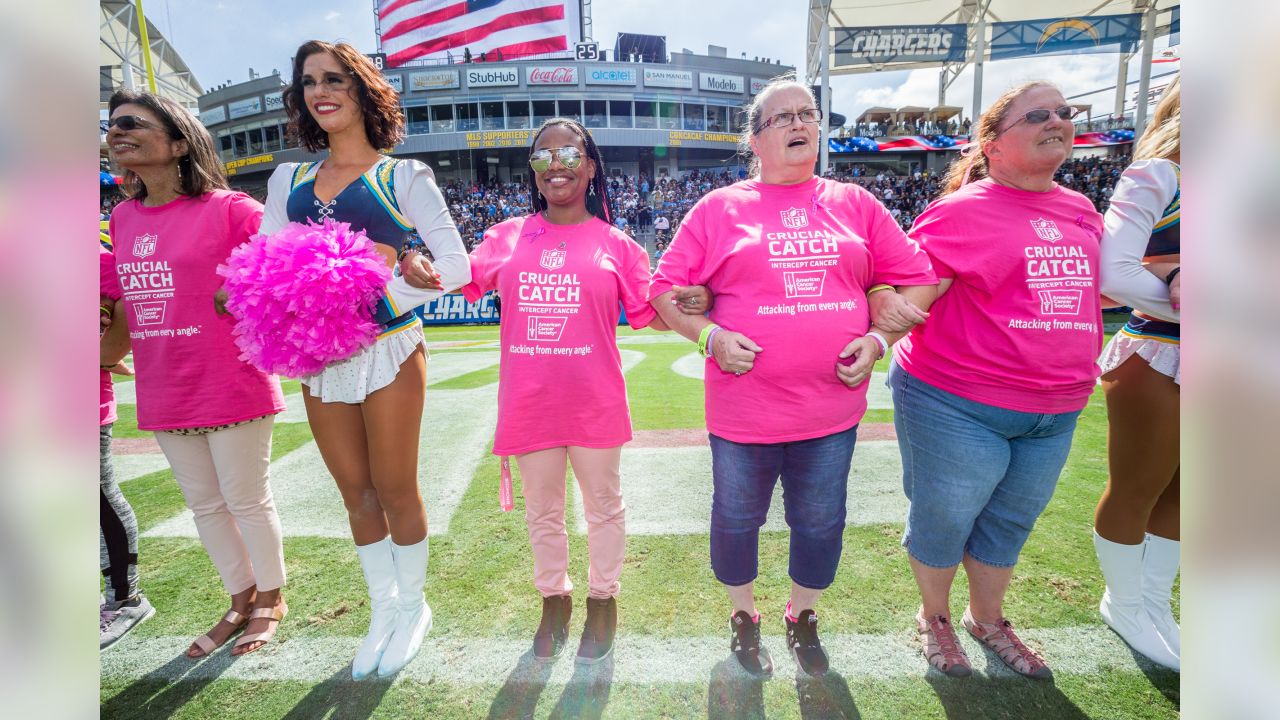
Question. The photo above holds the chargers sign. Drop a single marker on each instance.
(1057, 36)
(898, 44)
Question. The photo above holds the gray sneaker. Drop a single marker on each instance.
(116, 622)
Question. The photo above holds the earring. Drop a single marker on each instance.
(592, 190)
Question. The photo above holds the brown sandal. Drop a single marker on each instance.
(275, 614)
(207, 644)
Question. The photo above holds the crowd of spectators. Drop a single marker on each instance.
(1093, 177)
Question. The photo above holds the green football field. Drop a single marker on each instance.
(672, 658)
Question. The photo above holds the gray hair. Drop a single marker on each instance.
(751, 117)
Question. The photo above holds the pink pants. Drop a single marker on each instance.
(542, 478)
(224, 479)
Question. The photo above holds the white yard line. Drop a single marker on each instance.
(1077, 650)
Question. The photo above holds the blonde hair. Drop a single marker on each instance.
(751, 117)
(1163, 136)
(972, 163)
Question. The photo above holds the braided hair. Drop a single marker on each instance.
(598, 194)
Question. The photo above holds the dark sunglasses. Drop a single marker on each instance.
(130, 122)
(569, 156)
(1040, 115)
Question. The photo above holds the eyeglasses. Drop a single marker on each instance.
(1040, 115)
(336, 82)
(784, 119)
(129, 123)
(569, 156)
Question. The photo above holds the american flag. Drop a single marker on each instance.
(440, 29)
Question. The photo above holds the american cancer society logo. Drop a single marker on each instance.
(552, 259)
(144, 245)
(1046, 229)
(794, 218)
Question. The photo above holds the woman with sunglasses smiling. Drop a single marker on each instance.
(562, 273)
(794, 261)
(987, 392)
(211, 412)
(366, 411)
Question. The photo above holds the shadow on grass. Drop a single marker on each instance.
(1168, 682)
(164, 691)
(732, 694)
(518, 697)
(587, 693)
(994, 698)
(345, 697)
(825, 697)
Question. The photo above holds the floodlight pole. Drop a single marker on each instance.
(1144, 78)
(146, 48)
(980, 49)
(824, 134)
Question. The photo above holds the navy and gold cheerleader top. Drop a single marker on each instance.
(395, 203)
(1165, 242)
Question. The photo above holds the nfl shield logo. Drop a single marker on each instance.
(1046, 229)
(144, 245)
(552, 259)
(794, 218)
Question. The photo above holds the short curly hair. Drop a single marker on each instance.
(383, 116)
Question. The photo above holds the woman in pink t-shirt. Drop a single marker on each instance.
(794, 261)
(563, 272)
(211, 412)
(987, 392)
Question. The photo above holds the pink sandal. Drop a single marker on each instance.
(1001, 639)
(275, 614)
(207, 644)
(941, 646)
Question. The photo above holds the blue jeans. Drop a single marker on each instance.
(977, 476)
(815, 477)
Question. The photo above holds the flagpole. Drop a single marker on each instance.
(146, 48)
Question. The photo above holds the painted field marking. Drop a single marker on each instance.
(668, 490)
(459, 661)
(457, 428)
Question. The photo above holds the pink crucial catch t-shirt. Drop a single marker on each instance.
(110, 289)
(188, 369)
(790, 266)
(560, 378)
(1021, 326)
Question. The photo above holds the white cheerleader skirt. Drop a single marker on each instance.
(1163, 357)
(353, 379)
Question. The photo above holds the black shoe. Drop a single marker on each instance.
(802, 638)
(599, 631)
(553, 631)
(745, 645)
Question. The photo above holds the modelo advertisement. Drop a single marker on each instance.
(551, 75)
(713, 82)
(492, 78)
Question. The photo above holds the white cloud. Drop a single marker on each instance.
(332, 15)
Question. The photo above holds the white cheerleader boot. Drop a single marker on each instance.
(1159, 568)
(414, 615)
(380, 575)
(1122, 606)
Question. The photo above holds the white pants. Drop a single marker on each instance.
(224, 479)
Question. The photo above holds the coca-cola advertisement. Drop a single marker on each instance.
(551, 75)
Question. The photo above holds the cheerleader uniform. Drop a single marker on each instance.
(396, 203)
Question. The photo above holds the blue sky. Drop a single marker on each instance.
(222, 39)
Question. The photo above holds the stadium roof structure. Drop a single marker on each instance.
(123, 65)
(827, 16)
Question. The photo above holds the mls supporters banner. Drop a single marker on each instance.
(893, 44)
(1059, 36)
(443, 30)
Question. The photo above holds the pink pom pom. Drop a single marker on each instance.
(304, 297)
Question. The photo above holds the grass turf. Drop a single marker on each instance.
(479, 585)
